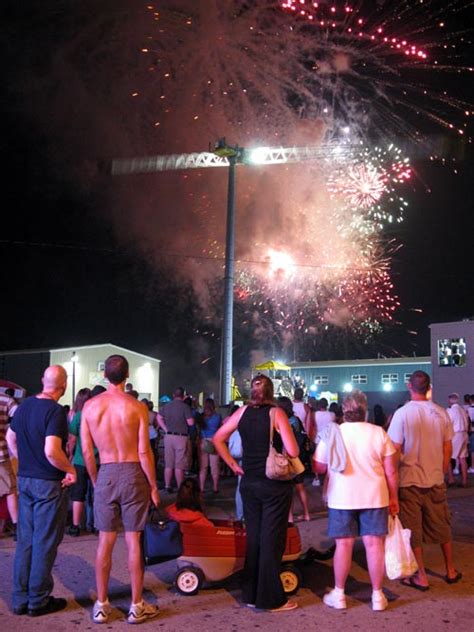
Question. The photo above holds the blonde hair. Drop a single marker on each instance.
(354, 407)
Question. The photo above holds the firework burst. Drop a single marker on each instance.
(310, 244)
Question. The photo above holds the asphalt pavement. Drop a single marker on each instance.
(218, 606)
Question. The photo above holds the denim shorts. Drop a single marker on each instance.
(350, 523)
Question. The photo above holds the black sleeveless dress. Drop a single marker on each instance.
(266, 506)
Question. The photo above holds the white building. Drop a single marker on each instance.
(84, 366)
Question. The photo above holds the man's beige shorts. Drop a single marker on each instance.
(121, 495)
(177, 452)
(7, 479)
(425, 511)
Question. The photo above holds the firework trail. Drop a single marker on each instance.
(310, 239)
(258, 63)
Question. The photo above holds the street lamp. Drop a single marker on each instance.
(233, 155)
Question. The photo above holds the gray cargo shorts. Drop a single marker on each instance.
(121, 495)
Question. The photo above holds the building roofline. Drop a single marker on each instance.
(366, 362)
(453, 322)
(48, 350)
(23, 352)
(107, 344)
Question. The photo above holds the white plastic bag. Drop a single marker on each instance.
(399, 559)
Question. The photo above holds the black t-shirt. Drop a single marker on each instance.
(34, 420)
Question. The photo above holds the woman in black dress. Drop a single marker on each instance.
(266, 502)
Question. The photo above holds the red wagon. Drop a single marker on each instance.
(214, 553)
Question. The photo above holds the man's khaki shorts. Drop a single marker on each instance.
(121, 494)
(425, 511)
(177, 451)
(7, 479)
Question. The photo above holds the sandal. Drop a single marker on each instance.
(289, 605)
(411, 583)
(453, 580)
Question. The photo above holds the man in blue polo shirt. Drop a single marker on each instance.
(37, 436)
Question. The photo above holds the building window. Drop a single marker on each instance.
(452, 352)
(406, 377)
(359, 379)
(321, 380)
(389, 378)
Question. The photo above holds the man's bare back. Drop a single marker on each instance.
(118, 425)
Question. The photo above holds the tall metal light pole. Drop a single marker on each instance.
(233, 154)
(74, 359)
(227, 156)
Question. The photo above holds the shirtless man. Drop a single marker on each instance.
(117, 425)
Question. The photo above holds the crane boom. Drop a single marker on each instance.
(206, 159)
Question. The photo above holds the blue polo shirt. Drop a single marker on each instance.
(34, 420)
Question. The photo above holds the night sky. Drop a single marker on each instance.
(89, 258)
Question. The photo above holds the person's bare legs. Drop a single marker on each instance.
(342, 561)
(77, 509)
(447, 548)
(375, 553)
(214, 463)
(421, 572)
(12, 504)
(103, 563)
(463, 470)
(179, 476)
(136, 567)
(202, 479)
(303, 499)
(451, 480)
(168, 476)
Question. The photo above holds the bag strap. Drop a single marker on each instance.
(272, 413)
(158, 515)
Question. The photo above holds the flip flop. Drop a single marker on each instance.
(453, 580)
(410, 582)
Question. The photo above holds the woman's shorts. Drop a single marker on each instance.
(350, 523)
(79, 489)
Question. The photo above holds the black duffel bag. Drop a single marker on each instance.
(162, 538)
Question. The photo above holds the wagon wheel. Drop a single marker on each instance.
(189, 580)
(290, 578)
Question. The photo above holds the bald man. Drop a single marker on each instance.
(37, 437)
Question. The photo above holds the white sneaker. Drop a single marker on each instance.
(315, 482)
(456, 471)
(379, 601)
(140, 612)
(471, 470)
(101, 612)
(335, 600)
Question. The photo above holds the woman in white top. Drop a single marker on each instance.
(360, 497)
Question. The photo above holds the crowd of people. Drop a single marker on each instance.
(101, 459)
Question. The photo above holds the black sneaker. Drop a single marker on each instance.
(74, 530)
(20, 610)
(52, 605)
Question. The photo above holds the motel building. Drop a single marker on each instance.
(384, 380)
(84, 366)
